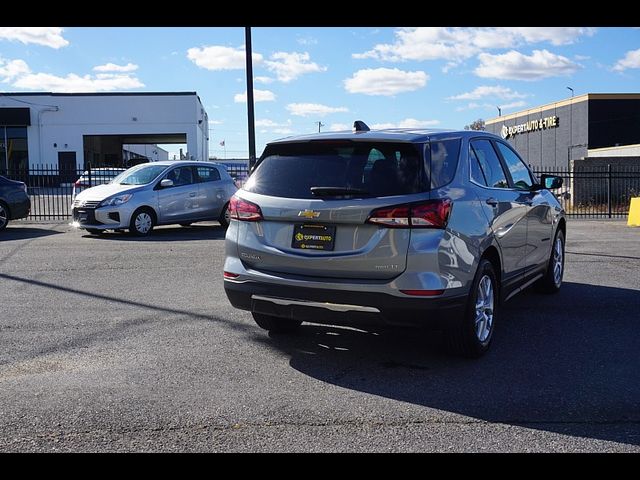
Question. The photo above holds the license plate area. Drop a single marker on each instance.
(313, 236)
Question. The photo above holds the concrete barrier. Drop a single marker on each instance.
(634, 213)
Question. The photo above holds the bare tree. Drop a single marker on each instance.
(477, 125)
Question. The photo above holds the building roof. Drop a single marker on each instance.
(562, 103)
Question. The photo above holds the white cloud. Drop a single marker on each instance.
(18, 74)
(289, 66)
(488, 91)
(336, 127)
(47, 36)
(263, 80)
(385, 81)
(406, 123)
(258, 96)
(283, 131)
(630, 60)
(112, 67)
(265, 122)
(12, 69)
(308, 109)
(307, 40)
(217, 57)
(514, 65)
(457, 44)
(76, 83)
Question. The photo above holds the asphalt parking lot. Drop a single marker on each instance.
(115, 343)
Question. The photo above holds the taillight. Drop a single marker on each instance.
(230, 275)
(240, 209)
(429, 214)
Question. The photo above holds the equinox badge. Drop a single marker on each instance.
(308, 214)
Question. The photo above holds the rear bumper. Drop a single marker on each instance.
(20, 209)
(340, 307)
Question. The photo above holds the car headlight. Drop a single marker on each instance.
(115, 201)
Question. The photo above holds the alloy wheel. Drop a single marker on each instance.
(484, 308)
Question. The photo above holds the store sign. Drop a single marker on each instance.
(530, 126)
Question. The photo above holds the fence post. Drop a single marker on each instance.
(89, 172)
(609, 189)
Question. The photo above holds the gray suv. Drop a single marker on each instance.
(402, 227)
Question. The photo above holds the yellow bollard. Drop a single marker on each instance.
(634, 213)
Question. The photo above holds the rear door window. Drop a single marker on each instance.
(358, 169)
(208, 174)
(485, 155)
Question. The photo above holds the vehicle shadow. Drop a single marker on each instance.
(566, 363)
(167, 234)
(15, 231)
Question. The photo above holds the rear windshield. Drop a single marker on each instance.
(343, 168)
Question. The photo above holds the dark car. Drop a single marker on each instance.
(14, 201)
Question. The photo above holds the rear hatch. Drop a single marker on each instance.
(306, 208)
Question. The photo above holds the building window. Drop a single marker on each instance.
(14, 152)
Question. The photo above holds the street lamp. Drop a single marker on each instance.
(570, 130)
(499, 111)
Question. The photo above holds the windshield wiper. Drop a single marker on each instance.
(339, 192)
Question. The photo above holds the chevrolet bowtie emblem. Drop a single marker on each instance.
(308, 214)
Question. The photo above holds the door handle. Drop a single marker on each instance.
(492, 201)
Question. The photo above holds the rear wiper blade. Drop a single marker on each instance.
(338, 192)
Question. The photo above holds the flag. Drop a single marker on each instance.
(222, 143)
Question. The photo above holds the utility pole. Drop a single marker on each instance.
(570, 130)
(320, 124)
(250, 114)
(499, 111)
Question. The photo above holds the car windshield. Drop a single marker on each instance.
(139, 175)
(339, 168)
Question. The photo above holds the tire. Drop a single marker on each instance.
(4, 216)
(224, 216)
(94, 231)
(276, 324)
(472, 336)
(142, 222)
(552, 280)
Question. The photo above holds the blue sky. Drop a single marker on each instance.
(433, 77)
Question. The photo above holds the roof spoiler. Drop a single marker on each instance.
(360, 126)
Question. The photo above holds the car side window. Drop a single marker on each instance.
(181, 176)
(519, 172)
(208, 174)
(490, 164)
(477, 175)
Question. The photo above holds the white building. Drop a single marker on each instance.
(68, 130)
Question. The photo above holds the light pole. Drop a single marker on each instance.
(250, 114)
(320, 124)
(499, 111)
(570, 130)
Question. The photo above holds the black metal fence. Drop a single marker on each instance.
(593, 192)
(596, 191)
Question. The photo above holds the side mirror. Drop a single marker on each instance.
(166, 182)
(551, 182)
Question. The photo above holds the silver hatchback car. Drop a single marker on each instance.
(157, 193)
(402, 227)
